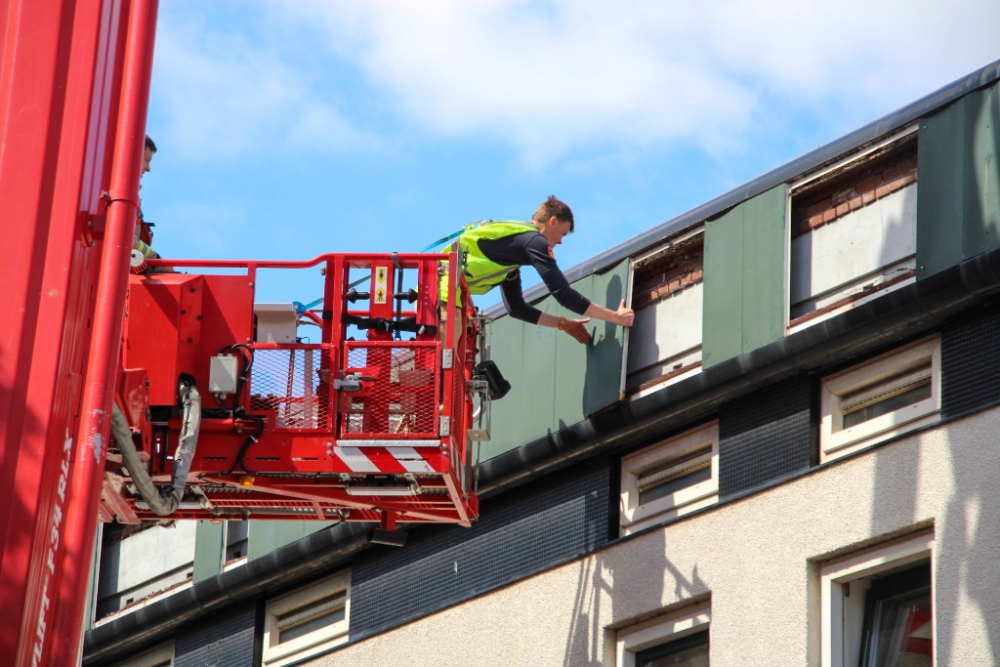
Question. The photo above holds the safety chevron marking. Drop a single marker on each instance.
(357, 460)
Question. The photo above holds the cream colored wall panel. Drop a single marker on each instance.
(858, 244)
(665, 329)
(757, 559)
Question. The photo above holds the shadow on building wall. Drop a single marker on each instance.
(624, 584)
(604, 356)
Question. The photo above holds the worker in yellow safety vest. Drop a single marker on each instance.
(495, 251)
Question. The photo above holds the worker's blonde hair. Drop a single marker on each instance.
(553, 207)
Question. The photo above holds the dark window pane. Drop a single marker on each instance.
(890, 404)
(692, 657)
(690, 651)
(311, 625)
(676, 484)
(897, 630)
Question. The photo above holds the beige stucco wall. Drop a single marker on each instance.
(757, 558)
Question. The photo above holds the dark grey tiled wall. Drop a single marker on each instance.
(766, 435)
(519, 534)
(223, 640)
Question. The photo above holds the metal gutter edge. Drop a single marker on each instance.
(798, 166)
(282, 567)
(904, 313)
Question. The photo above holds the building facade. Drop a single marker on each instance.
(792, 458)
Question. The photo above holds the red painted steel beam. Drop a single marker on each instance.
(58, 66)
(87, 473)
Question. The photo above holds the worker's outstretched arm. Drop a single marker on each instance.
(578, 329)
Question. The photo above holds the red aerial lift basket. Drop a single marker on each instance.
(372, 429)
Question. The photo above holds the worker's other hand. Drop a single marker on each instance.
(626, 316)
(578, 330)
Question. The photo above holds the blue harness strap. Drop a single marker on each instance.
(299, 308)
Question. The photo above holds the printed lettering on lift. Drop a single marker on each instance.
(55, 527)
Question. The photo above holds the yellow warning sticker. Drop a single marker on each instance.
(381, 291)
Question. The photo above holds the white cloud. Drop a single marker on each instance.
(222, 95)
(548, 77)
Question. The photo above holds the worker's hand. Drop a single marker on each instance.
(578, 330)
(626, 316)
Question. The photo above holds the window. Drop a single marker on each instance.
(679, 639)
(664, 344)
(887, 396)
(853, 230)
(877, 606)
(669, 479)
(691, 651)
(161, 656)
(307, 621)
(236, 541)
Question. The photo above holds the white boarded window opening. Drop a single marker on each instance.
(308, 621)
(670, 479)
(887, 396)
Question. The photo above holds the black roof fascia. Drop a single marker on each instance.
(322, 551)
(786, 172)
(910, 311)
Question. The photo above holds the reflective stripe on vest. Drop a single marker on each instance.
(482, 274)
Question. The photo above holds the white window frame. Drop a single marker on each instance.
(681, 623)
(633, 516)
(688, 357)
(844, 164)
(835, 574)
(275, 654)
(836, 441)
(154, 656)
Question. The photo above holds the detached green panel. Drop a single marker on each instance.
(982, 183)
(940, 189)
(744, 294)
(210, 540)
(958, 195)
(764, 268)
(264, 537)
(556, 382)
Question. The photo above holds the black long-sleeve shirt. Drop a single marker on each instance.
(531, 248)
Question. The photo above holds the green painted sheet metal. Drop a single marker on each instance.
(958, 196)
(556, 382)
(266, 536)
(722, 300)
(744, 293)
(764, 268)
(210, 541)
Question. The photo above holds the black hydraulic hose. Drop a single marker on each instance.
(166, 502)
(251, 439)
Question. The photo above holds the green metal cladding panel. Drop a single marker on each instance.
(958, 196)
(556, 382)
(263, 537)
(210, 540)
(744, 293)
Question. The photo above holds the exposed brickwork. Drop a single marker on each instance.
(855, 189)
(669, 275)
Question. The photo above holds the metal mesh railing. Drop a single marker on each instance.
(286, 381)
(400, 400)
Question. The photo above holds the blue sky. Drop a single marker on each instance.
(289, 129)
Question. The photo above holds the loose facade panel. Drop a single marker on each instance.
(556, 381)
(959, 198)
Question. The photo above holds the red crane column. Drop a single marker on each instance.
(102, 369)
(59, 79)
